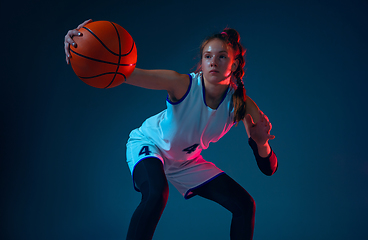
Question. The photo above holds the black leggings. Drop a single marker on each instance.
(150, 179)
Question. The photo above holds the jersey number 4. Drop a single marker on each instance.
(191, 148)
(145, 150)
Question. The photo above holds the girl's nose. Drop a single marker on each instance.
(213, 62)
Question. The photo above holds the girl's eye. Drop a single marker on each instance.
(223, 56)
(207, 56)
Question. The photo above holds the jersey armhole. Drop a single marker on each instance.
(185, 95)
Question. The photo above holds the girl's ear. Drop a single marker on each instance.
(234, 66)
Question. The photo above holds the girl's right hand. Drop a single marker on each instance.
(69, 39)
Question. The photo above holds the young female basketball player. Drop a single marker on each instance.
(201, 108)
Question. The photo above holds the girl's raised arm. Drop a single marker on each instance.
(174, 83)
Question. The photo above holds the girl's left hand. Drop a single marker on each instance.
(260, 131)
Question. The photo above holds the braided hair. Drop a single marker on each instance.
(232, 38)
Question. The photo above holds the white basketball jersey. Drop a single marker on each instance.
(186, 127)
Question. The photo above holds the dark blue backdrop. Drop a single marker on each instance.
(63, 170)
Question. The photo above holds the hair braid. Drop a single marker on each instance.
(239, 96)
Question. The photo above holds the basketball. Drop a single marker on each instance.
(105, 55)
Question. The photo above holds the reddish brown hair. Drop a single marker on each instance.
(232, 38)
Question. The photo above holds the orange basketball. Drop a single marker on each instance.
(105, 55)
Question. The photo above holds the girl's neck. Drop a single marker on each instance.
(214, 93)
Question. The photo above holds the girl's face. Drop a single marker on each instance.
(218, 62)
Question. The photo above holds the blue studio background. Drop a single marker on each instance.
(63, 170)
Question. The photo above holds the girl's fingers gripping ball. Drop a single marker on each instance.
(104, 55)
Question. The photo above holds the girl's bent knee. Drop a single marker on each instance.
(252, 204)
(155, 195)
(247, 207)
